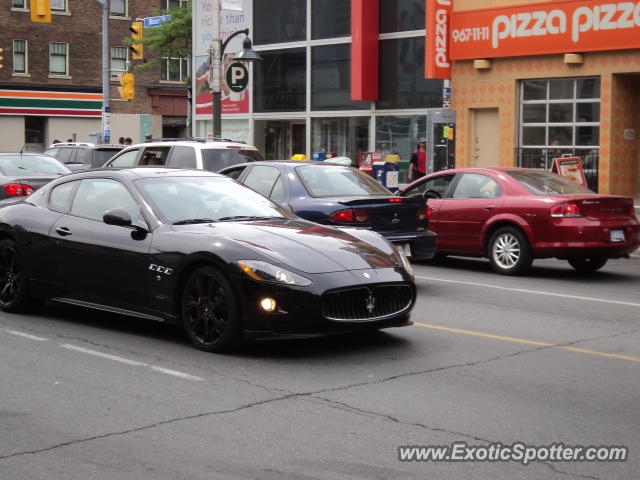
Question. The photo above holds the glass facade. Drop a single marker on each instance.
(331, 79)
(277, 21)
(345, 136)
(330, 18)
(398, 135)
(402, 82)
(401, 15)
(280, 81)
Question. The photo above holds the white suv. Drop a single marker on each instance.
(199, 153)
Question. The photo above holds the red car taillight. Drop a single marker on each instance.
(349, 215)
(566, 210)
(18, 189)
(423, 214)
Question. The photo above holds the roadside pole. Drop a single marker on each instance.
(106, 109)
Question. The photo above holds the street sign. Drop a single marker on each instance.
(237, 77)
(156, 21)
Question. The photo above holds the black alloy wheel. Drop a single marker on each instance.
(587, 264)
(210, 311)
(14, 288)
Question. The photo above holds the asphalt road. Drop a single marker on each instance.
(549, 358)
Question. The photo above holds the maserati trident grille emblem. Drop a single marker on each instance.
(370, 303)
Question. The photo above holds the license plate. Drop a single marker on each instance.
(617, 236)
(406, 249)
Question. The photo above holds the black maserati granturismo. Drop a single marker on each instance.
(198, 249)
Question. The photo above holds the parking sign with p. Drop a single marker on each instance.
(237, 77)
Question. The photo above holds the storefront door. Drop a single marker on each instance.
(282, 139)
(485, 141)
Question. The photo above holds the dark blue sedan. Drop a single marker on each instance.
(339, 195)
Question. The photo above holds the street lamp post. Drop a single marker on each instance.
(216, 53)
(106, 110)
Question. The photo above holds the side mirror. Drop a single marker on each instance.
(117, 216)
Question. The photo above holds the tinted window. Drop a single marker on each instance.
(338, 181)
(53, 152)
(542, 183)
(100, 157)
(330, 18)
(154, 156)
(401, 15)
(216, 159)
(331, 78)
(235, 173)
(61, 197)
(438, 184)
(280, 81)
(277, 193)
(64, 154)
(277, 21)
(95, 196)
(83, 156)
(127, 159)
(400, 87)
(183, 157)
(31, 166)
(472, 185)
(262, 179)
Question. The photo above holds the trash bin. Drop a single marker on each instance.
(386, 173)
(319, 156)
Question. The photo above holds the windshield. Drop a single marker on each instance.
(31, 166)
(545, 183)
(338, 181)
(204, 199)
(215, 159)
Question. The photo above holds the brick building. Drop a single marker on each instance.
(51, 80)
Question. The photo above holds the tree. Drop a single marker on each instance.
(170, 39)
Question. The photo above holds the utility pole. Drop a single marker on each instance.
(106, 109)
(216, 67)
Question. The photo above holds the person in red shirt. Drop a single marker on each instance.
(418, 162)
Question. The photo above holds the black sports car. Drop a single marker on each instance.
(197, 248)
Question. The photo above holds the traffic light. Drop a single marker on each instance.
(40, 11)
(1, 57)
(127, 90)
(136, 37)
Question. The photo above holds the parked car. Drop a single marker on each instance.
(513, 215)
(200, 153)
(197, 248)
(82, 156)
(342, 196)
(23, 173)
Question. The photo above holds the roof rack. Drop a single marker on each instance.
(195, 139)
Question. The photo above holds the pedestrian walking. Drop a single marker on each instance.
(418, 162)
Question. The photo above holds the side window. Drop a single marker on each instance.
(60, 197)
(83, 156)
(64, 155)
(126, 159)
(53, 152)
(473, 185)
(438, 184)
(262, 179)
(235, 173)
(97, 195)
(183, 157)
(277, 194)
(154, 156)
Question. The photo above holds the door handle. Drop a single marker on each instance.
(63, 231)
(489, 207)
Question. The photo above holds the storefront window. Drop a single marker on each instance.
(330, 18)
(398, 135)
(402, 82)
(331, 79)
(345, 136)
(401, 15)
(280, 81)
(560, 117)
(277, 21)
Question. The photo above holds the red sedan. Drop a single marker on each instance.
(513, 215)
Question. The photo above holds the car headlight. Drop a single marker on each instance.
(265, 272)
(404, 261)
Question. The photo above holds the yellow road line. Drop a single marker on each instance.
(528, 342)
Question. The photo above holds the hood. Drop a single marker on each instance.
(305, 246)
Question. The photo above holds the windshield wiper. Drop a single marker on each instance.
(194, 220)
(244, 217)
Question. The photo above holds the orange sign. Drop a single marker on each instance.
(570, 167)
(437, 62)
(544, 28)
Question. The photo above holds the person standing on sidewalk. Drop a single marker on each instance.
(418, 162)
